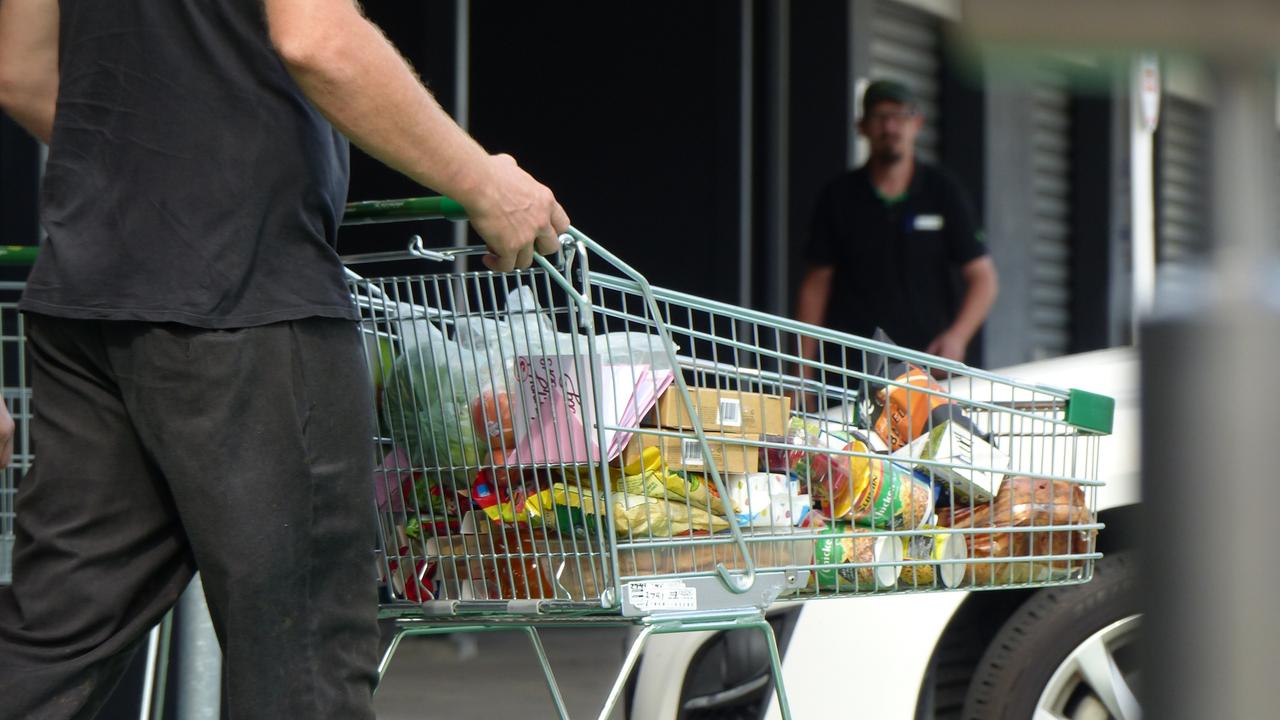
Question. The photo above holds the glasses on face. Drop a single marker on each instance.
(884, 117)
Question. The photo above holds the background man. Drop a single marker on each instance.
(888, 239)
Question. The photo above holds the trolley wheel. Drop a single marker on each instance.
(1068, 652)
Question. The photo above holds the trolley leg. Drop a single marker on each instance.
(775, 664)
(627, 665)
(390, 652)
(156, 675)
(552, 686)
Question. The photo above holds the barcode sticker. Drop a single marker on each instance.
(730, 413)
(662, 595)
(690, 453)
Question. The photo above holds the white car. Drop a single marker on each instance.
(1059, 652)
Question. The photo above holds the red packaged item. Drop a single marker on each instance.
(515, 573)
(416, 584)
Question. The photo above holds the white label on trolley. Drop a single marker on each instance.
(730, 413)
(690, 453)
(662, 595)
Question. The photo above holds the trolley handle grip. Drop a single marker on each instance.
(18, 254)
(368, 212)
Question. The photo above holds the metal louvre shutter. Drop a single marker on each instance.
(905, 47)
(1050, 235)
(1182, 183)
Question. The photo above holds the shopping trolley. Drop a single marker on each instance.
(569, 446)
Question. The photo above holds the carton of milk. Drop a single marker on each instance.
(972, 466)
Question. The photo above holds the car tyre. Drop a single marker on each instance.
(1068, 652)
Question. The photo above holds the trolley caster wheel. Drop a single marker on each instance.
(1068, 652)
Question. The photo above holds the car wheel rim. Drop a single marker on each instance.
(1096, 680)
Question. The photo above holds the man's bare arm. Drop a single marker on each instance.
(981, 288)
(811, 306)
(29, 63)
(359, 81)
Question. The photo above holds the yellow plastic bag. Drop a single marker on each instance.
(571, 510)
(645, 476)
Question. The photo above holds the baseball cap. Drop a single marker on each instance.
(886, 91)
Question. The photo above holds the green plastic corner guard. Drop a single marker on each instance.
(1090, 411)
(419, 208)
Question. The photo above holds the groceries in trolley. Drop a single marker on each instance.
(523, 463)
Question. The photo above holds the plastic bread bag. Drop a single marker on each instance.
(1023, 502)
(524, 329)
(767, 500)
(531, 332)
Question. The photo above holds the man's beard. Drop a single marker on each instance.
(887, 155)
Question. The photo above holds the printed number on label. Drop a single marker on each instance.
(663, 595)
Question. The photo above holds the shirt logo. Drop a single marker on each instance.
(928, 222)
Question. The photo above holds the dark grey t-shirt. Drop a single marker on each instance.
(188, 180)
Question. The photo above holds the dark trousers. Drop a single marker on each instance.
(161, 449)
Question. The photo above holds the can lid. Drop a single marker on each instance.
(949, 549)
(888, 555)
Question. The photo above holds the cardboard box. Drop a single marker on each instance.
(685, 453)
(744, 413)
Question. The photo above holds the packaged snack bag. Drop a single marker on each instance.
(902, 413)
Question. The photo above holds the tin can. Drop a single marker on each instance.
(946, 553)
(840, 544)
